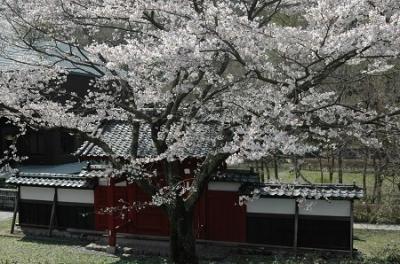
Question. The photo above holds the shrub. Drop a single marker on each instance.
(388, 212)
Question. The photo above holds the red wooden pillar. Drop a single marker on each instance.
(112, 238)
(131, 214)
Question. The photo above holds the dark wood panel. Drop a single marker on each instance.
(324, 233)
(270, 229)
(80, 217)
(34, 213)
(67, 215)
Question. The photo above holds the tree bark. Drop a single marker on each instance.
(321, 169)
(296, 168)
(331, 166)
(262, 175)
(276, 168)
(365, 172)
(340, 166)
(375, 178)
(182, 238)
(268, 172)
(377, 192)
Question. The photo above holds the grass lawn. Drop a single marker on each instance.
(375, 245)
(29, 250)
(373, 242)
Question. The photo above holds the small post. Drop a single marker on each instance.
(16, 209)
(351, 227)
(296, 226)
(53, 212)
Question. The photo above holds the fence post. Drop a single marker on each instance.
(16, 209)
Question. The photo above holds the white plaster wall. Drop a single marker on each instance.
(271, 206)
(106, 182)
(75, 196)
(103, 181)
(223, 186)
(37, 193)
(325, 208)
(121, 184)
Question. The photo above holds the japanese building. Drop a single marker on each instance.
(72, 196)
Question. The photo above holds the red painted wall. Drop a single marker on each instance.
(148, 221)
(218, 215)
(225, 219)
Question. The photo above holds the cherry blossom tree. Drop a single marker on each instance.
(252, 72)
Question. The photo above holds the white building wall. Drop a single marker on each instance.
(325, 208)
(121, 184)
(76, 196)
(37, 193)
(223, 186)
(106, 182)
(103, 182)
(272, 206)
(63, 195)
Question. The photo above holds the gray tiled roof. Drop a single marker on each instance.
(50, 180)
(96, 171)
(63, 175)
(311, 191)
(240, 176)
(118, 135)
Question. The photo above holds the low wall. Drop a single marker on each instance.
(159, 246)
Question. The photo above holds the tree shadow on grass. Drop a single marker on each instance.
(357, 238)
(79, 245)
(54, 240)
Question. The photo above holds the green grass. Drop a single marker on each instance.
(27, 250)
(5, 226)
(41, 251)
(373, 242)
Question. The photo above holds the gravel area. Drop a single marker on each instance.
(5, 215)
(377, 227)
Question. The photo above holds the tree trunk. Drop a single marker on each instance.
(331, 166)
(257, 168)
(262, 175)
(377, 192)
(340, 166)
(321, 169)
(276, 168)
(296, 168)
(182, 238)
(268, 172)
(365, 172)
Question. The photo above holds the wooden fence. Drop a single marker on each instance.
(7, 198)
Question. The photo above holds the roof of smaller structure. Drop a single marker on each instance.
(239, 176)
(64, 175)
(308, 191)
(50, 180)
(118, 135)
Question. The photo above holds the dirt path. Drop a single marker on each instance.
(377, 227)
(5, 215)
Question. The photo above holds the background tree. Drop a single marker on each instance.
(252, 72)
